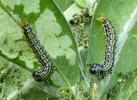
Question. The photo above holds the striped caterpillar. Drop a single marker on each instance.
(100, 69)
(47, 65)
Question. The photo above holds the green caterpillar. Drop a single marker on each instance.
(47, 65)
(108, 64)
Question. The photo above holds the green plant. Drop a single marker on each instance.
(71, 80)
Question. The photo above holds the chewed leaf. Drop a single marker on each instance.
(13, 79)
(58, 41)
(29, 60)
(47, 27)
(12, 41)
(27, 8)
(10, 34)
(54, 34)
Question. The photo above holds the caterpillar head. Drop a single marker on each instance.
(96, 69)
(37, 76)
(40, 75)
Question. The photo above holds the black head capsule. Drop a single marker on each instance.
(72, 22)
(27, 28)
(39, 76)
(96, 68)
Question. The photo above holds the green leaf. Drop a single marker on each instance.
(63, 4)
(71, 79)
(54, 34)
(26, 5)
(82, 3)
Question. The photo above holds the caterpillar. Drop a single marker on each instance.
(102, 69)
(79, 23)
(47, 65)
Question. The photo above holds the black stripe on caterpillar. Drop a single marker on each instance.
(108, 64)
(47, 65)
